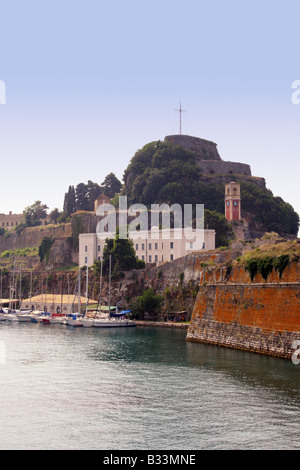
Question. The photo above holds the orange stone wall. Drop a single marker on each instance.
(260, 315)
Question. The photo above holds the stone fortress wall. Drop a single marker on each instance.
(208, 157)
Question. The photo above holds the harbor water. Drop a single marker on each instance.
(140, 389)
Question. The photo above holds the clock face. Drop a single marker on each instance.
(235, 203)
(227, 203)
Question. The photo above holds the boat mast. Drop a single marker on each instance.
(109, 285)
(79, 293)
(87, 287)
(100, 293)
(30, 290)
(20, 298)
(11, 290)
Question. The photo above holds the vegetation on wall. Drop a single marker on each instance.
(44, 248)
(265, 265)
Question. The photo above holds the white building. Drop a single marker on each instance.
(153, 246)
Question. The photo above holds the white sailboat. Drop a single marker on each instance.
(75, 319)
(85, 320)
(112, 321)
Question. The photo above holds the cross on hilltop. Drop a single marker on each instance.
(180, 111)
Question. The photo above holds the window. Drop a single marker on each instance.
(150, 246)
(191, 245)
(156, 258)
(136, 247)
(162, 258)
(99, 248)
(99, 258)
(171, 257)
(156, 246)
(85, 260)
(143, 258)
(143, 246)
(203, 246)
(150, 259)
(85, 248)
(171, 245)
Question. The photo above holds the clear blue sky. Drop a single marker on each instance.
(90, 82)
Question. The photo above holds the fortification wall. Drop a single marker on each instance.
(204, 149)
(260, 316)
(224, 168)
(208, 157)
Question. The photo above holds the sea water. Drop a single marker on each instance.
(140, 389)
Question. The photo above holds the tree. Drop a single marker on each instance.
(82, 202)
(34, 213)
(162, 173)
(55, 214)
(69, 206)
(218, 222)
(123, 257)
(111, 185)
(149, 302)
(93, 192)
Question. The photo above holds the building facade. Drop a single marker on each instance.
(156, 246)
(10, 221)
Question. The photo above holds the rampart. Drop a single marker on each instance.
(208, 157)
(210, 167)
(260, 316)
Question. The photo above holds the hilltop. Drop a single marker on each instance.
(189, 170)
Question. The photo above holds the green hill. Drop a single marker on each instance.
(162, 172)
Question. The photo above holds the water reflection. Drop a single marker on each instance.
(142, 388)
(158, 346)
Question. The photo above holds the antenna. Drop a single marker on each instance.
(180, 111)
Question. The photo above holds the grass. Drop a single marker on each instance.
(20, 252)
(270, 256)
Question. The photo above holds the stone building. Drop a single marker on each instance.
(156, 246)
(57, 303)
(10, 221)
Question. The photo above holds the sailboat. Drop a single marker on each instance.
(86, 321)
(112, 321)
(23, 314)
(74, 319)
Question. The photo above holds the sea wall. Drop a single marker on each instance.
(261, 316)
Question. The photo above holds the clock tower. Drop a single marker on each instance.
(233, 201)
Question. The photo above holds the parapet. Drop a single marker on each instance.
(208, 157)
(203, 149)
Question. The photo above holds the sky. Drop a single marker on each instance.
(88, 83)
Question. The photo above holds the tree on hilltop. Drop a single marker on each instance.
(34, 213)
(111, 185)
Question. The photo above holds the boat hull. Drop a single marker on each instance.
(113, 323)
